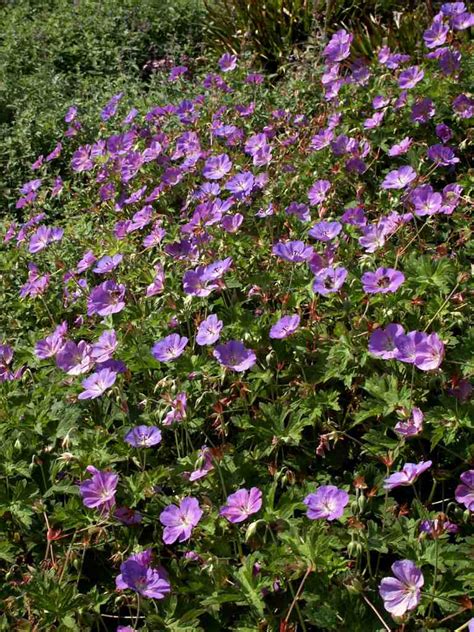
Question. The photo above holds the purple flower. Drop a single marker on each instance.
(301, 211)
(329, 280)
(98, 492)
(232, 223)
(97, 384)
(399, 178)
(136, 574)
(158, 283)
(285, 326)
(382, 281)
(203, 465)
(382, 343)
(106, 298)
(242, 504)
(209, 330)
(81, 159)
(227, 62)
(411, 426)
(407, 475)
(241, 185)
(354, 216)
(318, 192)
(443, 132)
(325, 231)
(107, 264)
(217, 167)
(464, 493)
(464, 106)
(104, 348)
(410, 77)
(429, 353)
(234, 355)
(110, 108)
(425, 200)
(295, 251)
(70, 114)
(321, 140)
(178, 412)
(442, 155)
(143, 436)
(400, 148)
(462, 21)
(339, 46)
(407, 345)
(422, 111)
(436, 34)
(52, 344)
(87, 260)
(75, 359)
(169, 348)
(327, 503)
(402, 592)
(179, 521)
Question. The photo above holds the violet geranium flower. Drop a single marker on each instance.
(143, 436)
(136, 574)
(411, 426)
(402, 592)
(325, 231)
(382, 343)
(209, 330)
(329, 280)
(107, 264)
(242, 504)
(295, 251)
(407, 475)
(227, 62)
(179, 521)
(382, 281)
(97, 383)
(104, 348)
(285, 326)
(327, 502)
(216, 167)
(169, 348)
(106, 298)
(464, 493)
(234, 355)
(98, 492)
(399, 178)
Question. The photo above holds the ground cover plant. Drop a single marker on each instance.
(236, 355)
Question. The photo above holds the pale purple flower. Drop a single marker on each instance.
(128, 516)
(382, 281)
(107, 264)
(227, 62)
(301, 211)
(203, 465)
(462, 21)
(411, 426)
(295, 251)
(136, 574)
(81, 159)
(327, 503)
(242, 504)
(98, 492)
(234, 355)
(443, 132)
(209, 330)
(40, 239)
(232, 223)
(400, 148)
(70, 114)
(410, 77)
(425, 200)
(407, 346)
(143, 436)
(52, 344)
(464, 106)
(318, 192)
(422, 111)
(329, 280)
(96, 384)
(382, 343)
(285, 326)
(339, 46)
(36, 285)
(158, 283)
(179, 522)
(325, 231)
(407, 475)
(451, 9)
(110, 108)
(169, 348)
(217, 167)
(355, 216)
(104, 348)
(399, 178)
(105, 299)
(178, 410)
(402, 593)
(436, 34)
(429, 353)
(241, 185)
(74, 358)
(321, 140)
(442, 155)
(87, 260)
(464, 493)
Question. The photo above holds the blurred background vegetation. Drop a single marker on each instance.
(54, 53)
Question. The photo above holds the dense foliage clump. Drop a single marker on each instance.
(236, 354)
